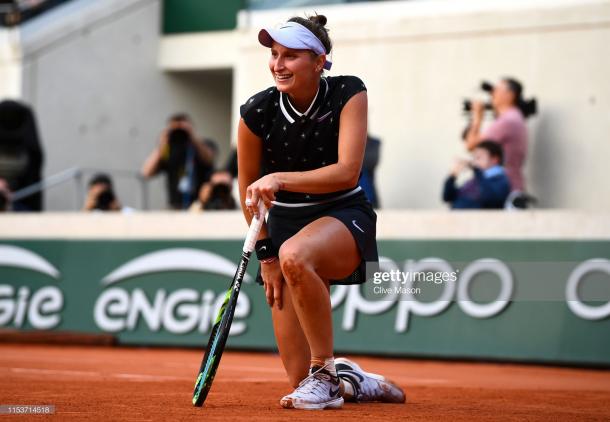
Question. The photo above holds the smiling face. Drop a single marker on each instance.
(295, 72)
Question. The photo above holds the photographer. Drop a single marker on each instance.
(187, 161)
(369, 164)
(216, 194)
(21, 154)
(100, 195)
(489, 187)
(508, 128)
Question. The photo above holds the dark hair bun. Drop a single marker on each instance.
(316, 25)
(318, 19)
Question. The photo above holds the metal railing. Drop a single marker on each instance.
(76, 174)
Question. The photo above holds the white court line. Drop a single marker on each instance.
(404, 380)
(229, 367)
(180, 364)
(411, 381)
(250, 380)
(129, 377)
(55, 372)
(253, 369)
(143, 377)
(53, 359)
(245, 368)
(125, 376)
(401, 379)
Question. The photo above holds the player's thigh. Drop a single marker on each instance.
(327, 245)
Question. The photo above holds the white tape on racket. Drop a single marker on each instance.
(255, 228)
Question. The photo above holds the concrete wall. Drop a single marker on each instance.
(420, 58)
(90, 71)
(103, 81)
(391, 224)
(10, 64)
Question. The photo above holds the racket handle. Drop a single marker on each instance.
(255, 228)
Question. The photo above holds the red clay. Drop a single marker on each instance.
(140, 384)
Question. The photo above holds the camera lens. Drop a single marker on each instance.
(487, 87)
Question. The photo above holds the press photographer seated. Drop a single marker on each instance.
(489, 187)
(216, 194)
(100, 195)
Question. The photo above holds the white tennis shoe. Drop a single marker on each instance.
(368, 386)
(320, 390)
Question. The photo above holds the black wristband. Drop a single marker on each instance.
(264, 249)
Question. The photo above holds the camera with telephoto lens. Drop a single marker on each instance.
(527, 107)
(486, 87)
(220, 198)
(104, 200)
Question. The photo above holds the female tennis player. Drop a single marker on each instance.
(306, 136)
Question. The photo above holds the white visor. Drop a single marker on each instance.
(293, 35)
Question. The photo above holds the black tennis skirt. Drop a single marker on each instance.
(354, 210)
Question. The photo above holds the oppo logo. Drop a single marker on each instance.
(459, 292)
(579, 308)
(180, 311)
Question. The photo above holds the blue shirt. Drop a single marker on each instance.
(488, 189)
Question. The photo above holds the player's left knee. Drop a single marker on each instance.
(293, 262)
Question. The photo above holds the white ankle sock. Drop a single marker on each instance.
(330, 366)
(348, 389)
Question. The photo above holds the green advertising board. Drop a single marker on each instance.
(514, 300)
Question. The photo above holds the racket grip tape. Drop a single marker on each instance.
(255, 227)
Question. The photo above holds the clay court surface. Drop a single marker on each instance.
(140, 384)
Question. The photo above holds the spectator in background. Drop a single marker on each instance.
(489, 187)
(21, 154)
(216, 194)
(231, 166)
(508, 129)
(100, 195)
(5, 196)
(367, 175)
(187, 161)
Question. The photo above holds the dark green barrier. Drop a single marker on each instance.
(166, 292)
(180, 16)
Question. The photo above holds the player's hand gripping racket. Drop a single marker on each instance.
(220, 331)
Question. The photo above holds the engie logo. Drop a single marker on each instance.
(180, 311)
(22, 305)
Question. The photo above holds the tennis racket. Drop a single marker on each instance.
(222, 324)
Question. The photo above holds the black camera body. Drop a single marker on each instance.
(486, 87)
(528, 107)
(104, 200)
(220, 198)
